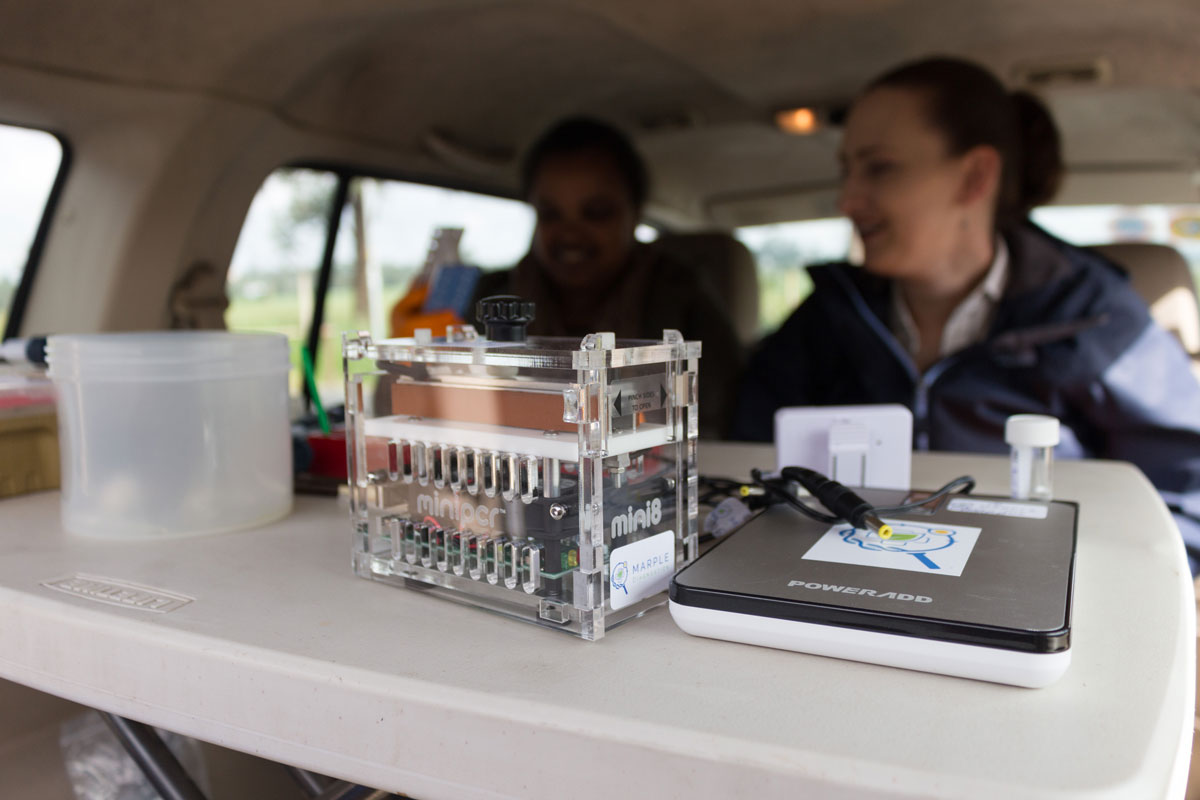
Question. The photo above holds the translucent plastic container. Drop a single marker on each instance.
(172, 433)
(1032, 438)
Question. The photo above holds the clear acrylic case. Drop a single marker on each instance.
(551, 480)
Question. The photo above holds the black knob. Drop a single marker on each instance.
(505, 317)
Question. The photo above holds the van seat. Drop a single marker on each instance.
(728, 266)
(1162, 277)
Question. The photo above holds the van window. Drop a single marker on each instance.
(30, 161)
(1176, 225)
(384, 233)
(782, 251)
(398, 222)
(272, 276)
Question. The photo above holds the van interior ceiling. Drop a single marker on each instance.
(215, 96)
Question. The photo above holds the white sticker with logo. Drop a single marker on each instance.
(969, 505)
(641, 569)
(913, 546)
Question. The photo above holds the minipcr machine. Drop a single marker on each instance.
(552, 480)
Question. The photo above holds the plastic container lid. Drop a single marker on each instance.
(1031, 430)
(165, 355)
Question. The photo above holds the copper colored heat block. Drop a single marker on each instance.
(538, 410)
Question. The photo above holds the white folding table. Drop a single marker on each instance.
(272, 646)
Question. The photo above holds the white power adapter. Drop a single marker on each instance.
(869, 446)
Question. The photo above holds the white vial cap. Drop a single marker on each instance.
(1031, 430)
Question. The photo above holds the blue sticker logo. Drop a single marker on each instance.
(620, 575)
(924, 547)
(915, 540)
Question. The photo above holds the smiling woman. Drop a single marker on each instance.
(29, 162)
(964, 310)
(587, 272)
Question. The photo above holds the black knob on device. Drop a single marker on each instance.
(505, 317)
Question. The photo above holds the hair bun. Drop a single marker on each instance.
(1041, 166)
(969, 106)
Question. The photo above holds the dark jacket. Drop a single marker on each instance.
(657, 293)
(1070, 338)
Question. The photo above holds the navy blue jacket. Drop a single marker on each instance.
(1070, 338)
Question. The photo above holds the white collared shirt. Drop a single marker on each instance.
(969, 321)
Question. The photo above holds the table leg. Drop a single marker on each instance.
(344, 790)
(312, 783)
(158, 763)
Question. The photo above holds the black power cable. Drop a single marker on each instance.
(846, 504)
(839, 499)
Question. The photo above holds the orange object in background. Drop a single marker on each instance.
(407, 315)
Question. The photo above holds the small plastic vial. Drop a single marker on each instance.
(1032, 438)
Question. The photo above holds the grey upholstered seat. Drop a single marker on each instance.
(1162, 277)
(730, 268)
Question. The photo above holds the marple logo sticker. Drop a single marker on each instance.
(914, 546)
(641, 569)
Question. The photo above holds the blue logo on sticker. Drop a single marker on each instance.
(914, 540)
(620, 574)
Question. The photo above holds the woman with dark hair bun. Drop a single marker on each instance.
(965, 311)
(587, 273)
